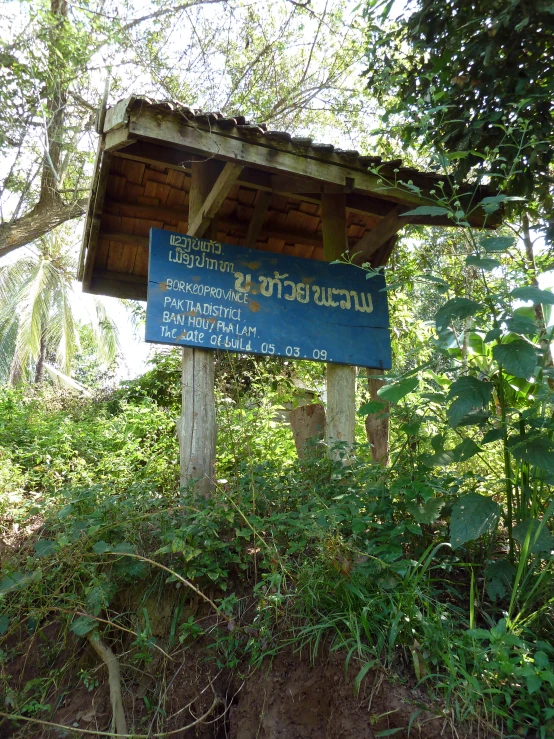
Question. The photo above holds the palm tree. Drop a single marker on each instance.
(37, 315)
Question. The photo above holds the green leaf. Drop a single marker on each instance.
(388, 732)
(44, 547)
(373, 406)
(497, 243)
(533, 293)
(100, 547)
(535, 449)
(470, 395)
(541, 660)
(492, 335)
(522, 325)
(499, 576)
(455, 308)
(493, 435)
(481, 263)
(4, 624)
(397, 390)
(541, 542)
(428, 512)
(471, 517)
(534, 683)
(467, 449)
(361, 674)
(517, 358)
(83, 625)
(427, 210)
(19, 581)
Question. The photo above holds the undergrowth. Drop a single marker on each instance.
(306, 555)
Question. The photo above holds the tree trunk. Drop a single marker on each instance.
(377, 427)
(50, 210)
(308, 427)
(532, 272)
(39, 369)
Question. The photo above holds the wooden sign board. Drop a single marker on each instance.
(219, 296)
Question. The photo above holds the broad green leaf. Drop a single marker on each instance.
(517, 358)
(493, 435)
(83, 625)
(396, 391)
(100, 547)
(436, 280)
(499, 576)
(428, 512)
(472, 516)
(497, 243)
(534, 683)
(44, 547)
(427, 210)
(535, 449)
(522, 325)
(467, 449)
(533, 293)
(373, 406)
(541, 542)
(482, 263)
(541, 660)
(455, 308)
(470, 395)
(492, 335)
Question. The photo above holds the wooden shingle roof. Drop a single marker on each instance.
(142, 180)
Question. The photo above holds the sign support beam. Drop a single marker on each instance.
(197, 429)
(341, 379)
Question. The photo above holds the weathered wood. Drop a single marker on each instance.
(377, 424)
(341, 379)
(93, 217)
(117, 287)
(382, 232)
(341, 410)
(382, 256)
(305, 189)
(197, 429)
(257, 220)
(175, 130)
(213, 201)
(163, 213)
(308, 428)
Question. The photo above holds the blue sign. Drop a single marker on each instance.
(220, 296)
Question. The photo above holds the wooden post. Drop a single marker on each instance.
(196, 427)
(341, 379)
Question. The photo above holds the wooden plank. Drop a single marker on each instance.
(118, 139)
(214, 199)
(95, 213)
(372, 240)
(175, 130)
(153, 213)
(358, 202)
(117, 288)
(341, 379)
(257, 219)
(181, 161)
(382, 256)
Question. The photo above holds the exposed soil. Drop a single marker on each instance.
(287, 698)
